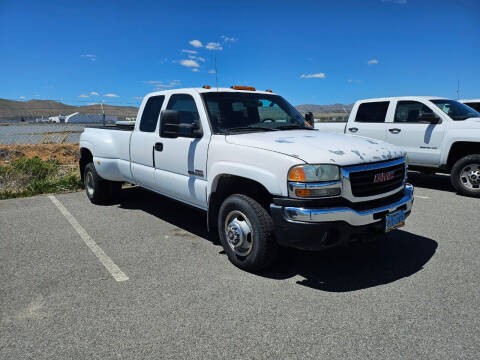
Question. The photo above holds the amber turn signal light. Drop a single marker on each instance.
(248, 88)
(296, 174)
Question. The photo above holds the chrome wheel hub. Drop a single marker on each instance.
(238, 232)
(470, 176)
(89, 183)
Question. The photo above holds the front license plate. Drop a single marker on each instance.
(395, 220)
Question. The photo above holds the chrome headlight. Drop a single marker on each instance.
(314, 173)
(314, 181)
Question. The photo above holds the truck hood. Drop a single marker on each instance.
(314, 147)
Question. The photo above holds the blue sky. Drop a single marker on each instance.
(319, 52)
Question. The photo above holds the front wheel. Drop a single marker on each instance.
(246, 233)
(465, 175)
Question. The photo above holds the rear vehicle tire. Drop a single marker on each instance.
(246, 233)
(465, 175)
(99, 191)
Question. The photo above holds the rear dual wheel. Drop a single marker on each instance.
(99, 190)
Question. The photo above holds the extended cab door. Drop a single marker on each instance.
(181, 163)
(143, 141)
(368, 119)
(421, 140)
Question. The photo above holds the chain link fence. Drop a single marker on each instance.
(34, 133)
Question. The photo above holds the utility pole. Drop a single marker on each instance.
(103, 113)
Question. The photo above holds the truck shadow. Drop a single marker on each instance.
(344, 269)
(357, 266)
(435, 182)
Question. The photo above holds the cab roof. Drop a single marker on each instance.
(201, 90)
(405, 98)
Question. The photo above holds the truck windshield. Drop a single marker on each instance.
(231, 112)
(456, 110)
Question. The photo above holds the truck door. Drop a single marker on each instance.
(181, 163)
(369, 120)
(421, 140)
(143, 141)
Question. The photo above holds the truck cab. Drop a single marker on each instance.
(264, 176)
(439, 134)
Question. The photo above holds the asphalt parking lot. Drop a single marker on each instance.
(415, 296)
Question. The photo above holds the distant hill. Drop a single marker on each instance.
(335, 108)
(31, 109)
(12, 110)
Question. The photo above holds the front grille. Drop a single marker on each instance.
(362, 182)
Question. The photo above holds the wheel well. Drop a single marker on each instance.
(85, 158)
(230, 184)
(461, 149)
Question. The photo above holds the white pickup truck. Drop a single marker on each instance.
(262, 173)
(440, 135)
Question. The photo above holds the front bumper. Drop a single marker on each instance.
(318, 228)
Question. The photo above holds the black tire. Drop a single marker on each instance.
(263, 248)
(99, 191)
(461, 184)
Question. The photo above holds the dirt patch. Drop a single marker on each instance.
(65, 154)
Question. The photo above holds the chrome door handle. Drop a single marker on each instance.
(353, 129)
(395, 130)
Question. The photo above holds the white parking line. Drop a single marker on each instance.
(112, 268)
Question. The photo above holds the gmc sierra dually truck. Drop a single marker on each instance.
(439, 135)
(264, 176)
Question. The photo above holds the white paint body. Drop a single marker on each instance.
(427, 145)
(264, 157)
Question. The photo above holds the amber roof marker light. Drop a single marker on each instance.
(206, 86)
(269, 90)
(248, 88)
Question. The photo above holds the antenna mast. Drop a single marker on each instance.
(458, 89)
(216, 73)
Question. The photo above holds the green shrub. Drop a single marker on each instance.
(28, 177)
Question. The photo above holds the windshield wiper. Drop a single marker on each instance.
(243, 128)
(289, 127)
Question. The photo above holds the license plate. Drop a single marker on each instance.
(395, 220)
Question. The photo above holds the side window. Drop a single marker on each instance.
(150, 114)
(185, 105)
(409, 111)
(474, 106)
(372, 112)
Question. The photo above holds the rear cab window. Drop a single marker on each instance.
(150, 113)
(372, 112)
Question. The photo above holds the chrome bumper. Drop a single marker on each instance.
(350, 216)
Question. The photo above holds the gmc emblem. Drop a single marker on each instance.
(382, 177)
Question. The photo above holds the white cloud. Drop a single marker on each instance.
(196, 43)
(94, 93)
(137, 97)
(213, 46)
(83, 96)
(92, 57)
(372, 62)
(228, 39)
(195, 70)
(189, 51)
(211, 71)
(160, 85)
(353, 81)
(189, 63)
(21, 97)
(311, 76)
(36, 95)
(110, 95)
(199, 58)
